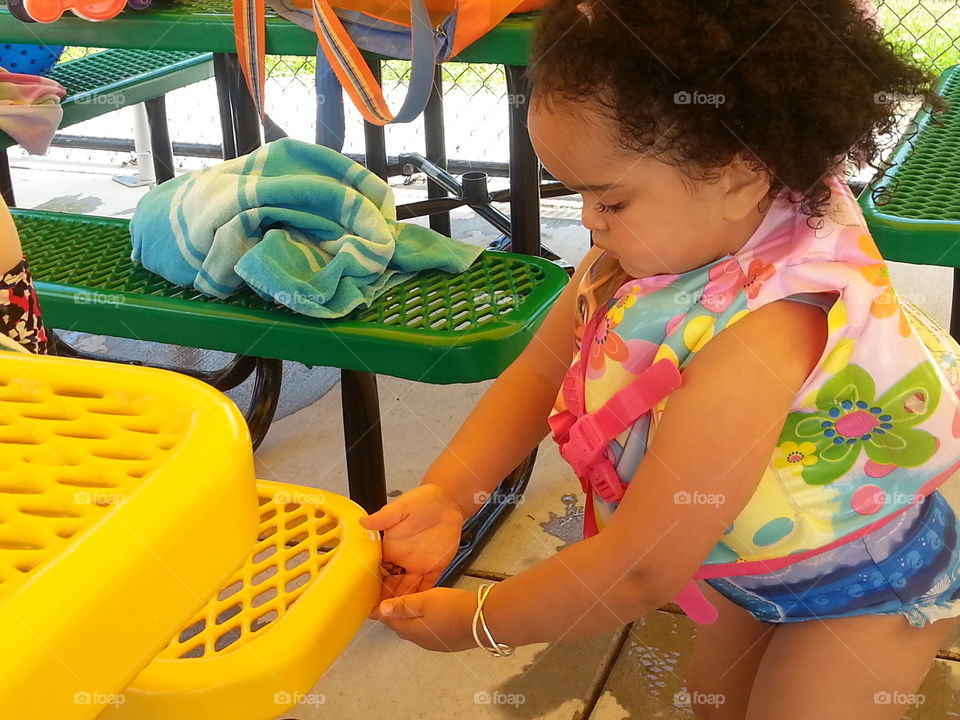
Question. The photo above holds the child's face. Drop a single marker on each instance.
(642, 211)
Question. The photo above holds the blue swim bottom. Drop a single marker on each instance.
(911, 567)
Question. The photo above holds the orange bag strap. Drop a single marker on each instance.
(249, 33)
(357, 79)
(474, 18)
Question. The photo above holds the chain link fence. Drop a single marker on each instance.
(474, 98)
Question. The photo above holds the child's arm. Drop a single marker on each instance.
(511, 417)
(715, 437)
(422, 527)
(10, 252)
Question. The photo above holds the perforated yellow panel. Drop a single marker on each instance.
(68, 454)
(110, 476)
(265, 638)
(295, 541)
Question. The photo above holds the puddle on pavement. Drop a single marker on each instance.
(72, 204)
(649, 677)
(568, 528)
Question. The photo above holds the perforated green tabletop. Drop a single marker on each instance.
(477, 322)
(114, 79)
(914, 212)
(206, 26)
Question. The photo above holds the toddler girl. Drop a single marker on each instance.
(748, 403)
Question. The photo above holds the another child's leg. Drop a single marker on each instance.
(19, 311)
(725, 660)
(865, 666)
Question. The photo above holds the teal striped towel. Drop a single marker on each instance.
(301, 224)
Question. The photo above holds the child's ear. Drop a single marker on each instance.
(747, 184)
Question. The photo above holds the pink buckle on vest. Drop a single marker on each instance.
(585, 448)
(603, 478)
(560, 423)
(585, 442)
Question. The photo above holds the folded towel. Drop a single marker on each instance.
(301, 224)
(30, 109)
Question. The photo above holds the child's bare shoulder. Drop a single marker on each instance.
(784, 337)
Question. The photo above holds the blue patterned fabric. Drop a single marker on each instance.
(910, 567)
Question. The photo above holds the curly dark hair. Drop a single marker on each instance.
(794, 88)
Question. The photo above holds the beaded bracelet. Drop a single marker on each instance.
(497, 649)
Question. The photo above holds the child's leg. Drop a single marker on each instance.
(19, 311)
(865, 666)
(725, 659)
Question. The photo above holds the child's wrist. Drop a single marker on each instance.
(466, 509)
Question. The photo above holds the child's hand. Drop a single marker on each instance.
(439, 619)
(421, 533)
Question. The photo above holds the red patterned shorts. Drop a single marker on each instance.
(20, 317)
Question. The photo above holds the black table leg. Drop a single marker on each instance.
(436, 148)
(238, 114)
(524, 167)
(160, 147)
(955, 308)
(363, 439)
(6, 182)
(374, 138)
(247, 127)
(362, 436)
(221, 72)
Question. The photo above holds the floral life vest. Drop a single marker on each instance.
(872, 430)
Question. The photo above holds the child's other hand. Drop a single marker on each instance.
(421, 533)
(439, 619)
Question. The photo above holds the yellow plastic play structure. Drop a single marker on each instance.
(144, 572)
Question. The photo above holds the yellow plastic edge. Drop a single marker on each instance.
(274, 671)
(71, 643)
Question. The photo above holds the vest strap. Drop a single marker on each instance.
(584, 441)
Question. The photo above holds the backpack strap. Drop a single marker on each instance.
(344, 57)
(249, 34)
(357, 79)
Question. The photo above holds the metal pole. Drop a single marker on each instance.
(524, 167)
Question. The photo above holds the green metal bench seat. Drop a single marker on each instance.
(913, 211)
(113, 79)
(435, 328)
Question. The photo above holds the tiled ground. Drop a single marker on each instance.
(634, 673)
